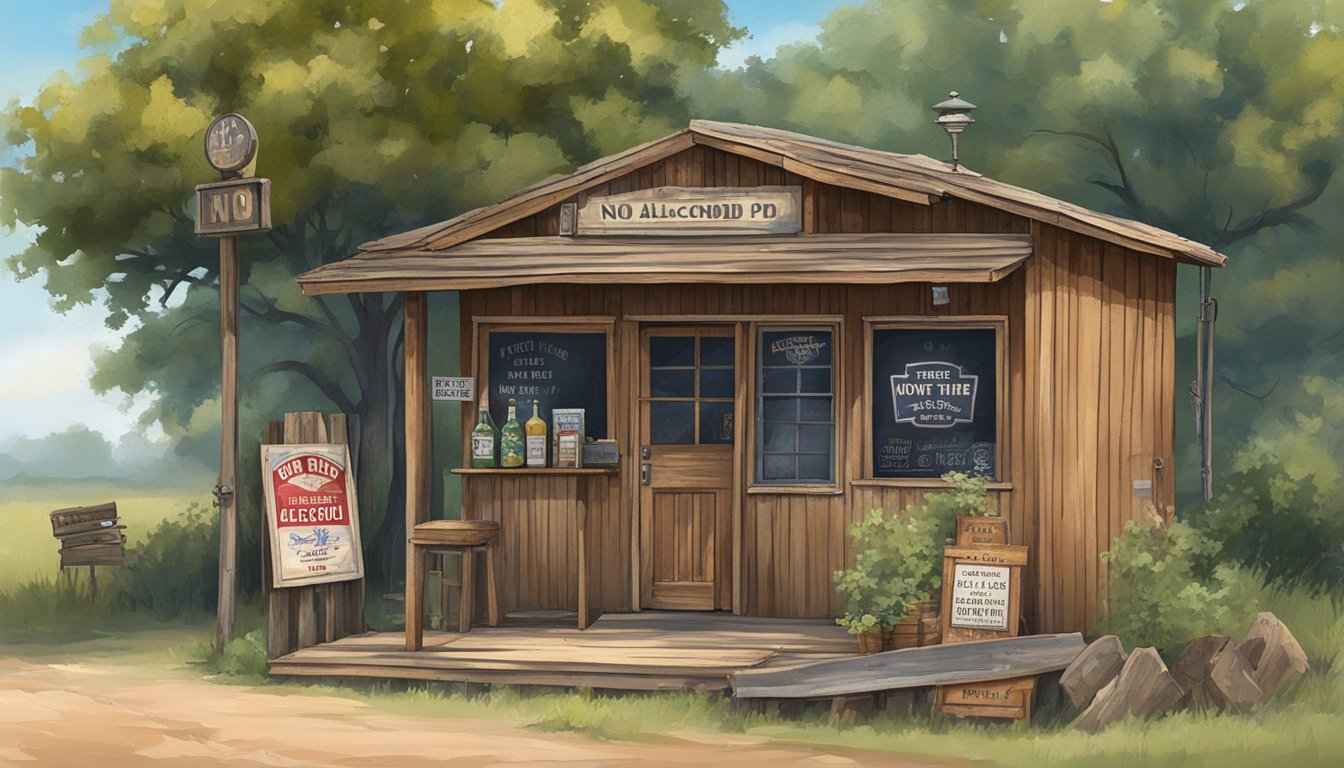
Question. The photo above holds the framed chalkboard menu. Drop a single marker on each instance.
(934, 397)
(556, 368)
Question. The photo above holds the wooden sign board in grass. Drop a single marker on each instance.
(1009, 699)
(90, 536)
(982, 592)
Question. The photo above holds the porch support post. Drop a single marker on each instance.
(416, 333)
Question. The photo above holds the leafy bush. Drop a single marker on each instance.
(1278, 522)
(176, 569)
(1164, 589)
(898, 558)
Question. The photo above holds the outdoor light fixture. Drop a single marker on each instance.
(940, 295)
(954, 115)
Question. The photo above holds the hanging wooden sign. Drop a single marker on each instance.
(982, 592)
(695, 211)
(312, 513)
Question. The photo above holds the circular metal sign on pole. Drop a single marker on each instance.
(230, 144)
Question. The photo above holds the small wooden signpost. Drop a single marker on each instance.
(982, 600)
(90, 536)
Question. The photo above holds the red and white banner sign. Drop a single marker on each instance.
(312, 514)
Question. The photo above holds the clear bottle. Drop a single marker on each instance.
(484, 439)
(536, 438)
(511, 439)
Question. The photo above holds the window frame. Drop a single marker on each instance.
(835, 326)
(996, 323)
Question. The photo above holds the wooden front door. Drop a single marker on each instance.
(687, 425)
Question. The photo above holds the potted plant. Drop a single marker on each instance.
(898, 564)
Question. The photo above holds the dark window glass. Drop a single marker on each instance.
(716, 350)
(673, 383)
(716, 382)
(672, 423)
(795, 407)
(666, 351)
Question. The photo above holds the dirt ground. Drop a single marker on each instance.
(60, 714)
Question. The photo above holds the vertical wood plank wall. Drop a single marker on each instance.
(1090, 397)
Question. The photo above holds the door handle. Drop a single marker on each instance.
(644, 473)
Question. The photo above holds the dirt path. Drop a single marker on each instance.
(81, 716)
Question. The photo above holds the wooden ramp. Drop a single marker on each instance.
(912, 668)
(638, 651)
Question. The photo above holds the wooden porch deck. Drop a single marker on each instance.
(630, 651)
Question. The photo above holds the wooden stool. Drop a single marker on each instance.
(464, 538)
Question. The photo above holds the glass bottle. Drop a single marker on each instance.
(511, 439)
(536, 438)
(484, 439)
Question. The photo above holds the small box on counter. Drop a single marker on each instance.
(567, 433)
(601, 453)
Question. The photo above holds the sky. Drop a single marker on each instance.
(46, 358)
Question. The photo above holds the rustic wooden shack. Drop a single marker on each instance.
(781, 332)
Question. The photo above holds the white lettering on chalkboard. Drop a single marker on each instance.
(980, 596)
(799, 350)
(934, 395)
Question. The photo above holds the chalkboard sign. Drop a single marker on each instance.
(934, 401)
(560, 370)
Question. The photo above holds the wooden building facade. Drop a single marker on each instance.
(753, 381)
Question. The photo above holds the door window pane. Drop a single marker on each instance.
(716, 350)
(672, 423)
(795, 406)
(716, 382)
(672, 383)
(665, 351)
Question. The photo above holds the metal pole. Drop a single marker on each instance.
(228, 448)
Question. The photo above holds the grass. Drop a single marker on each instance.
(28, 551)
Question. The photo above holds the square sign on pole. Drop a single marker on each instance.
(233, 206)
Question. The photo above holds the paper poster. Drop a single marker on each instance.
(312, 514)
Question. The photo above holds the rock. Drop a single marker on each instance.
(1096, 666)
(1215, 676)
(1192, 669)
(1276, 656)
(1232, 681)
(1144, 688)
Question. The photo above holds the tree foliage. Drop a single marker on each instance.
(375, 116)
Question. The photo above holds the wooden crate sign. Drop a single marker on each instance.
(973, 531)
(1009, 699)
(695, 211)
(982, 592)
(312, 514)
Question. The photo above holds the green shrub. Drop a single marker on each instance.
(898, 558)
(1163, 591)
(175, 570)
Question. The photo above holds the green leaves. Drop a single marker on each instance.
(898, 558)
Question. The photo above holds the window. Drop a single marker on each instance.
(795, 406)
(691, 388)
(557, 363)
(934, 397)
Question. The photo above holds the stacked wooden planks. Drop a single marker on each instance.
(90, 535)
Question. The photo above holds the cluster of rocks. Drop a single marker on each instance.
(1212, 674)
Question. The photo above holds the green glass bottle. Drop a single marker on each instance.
(511, 440)
(484, 439)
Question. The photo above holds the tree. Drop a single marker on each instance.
(375, 116)
(1223, 122)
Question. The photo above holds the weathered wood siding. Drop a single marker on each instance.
(1089, 407)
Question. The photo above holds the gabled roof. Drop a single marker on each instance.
(912, 178)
